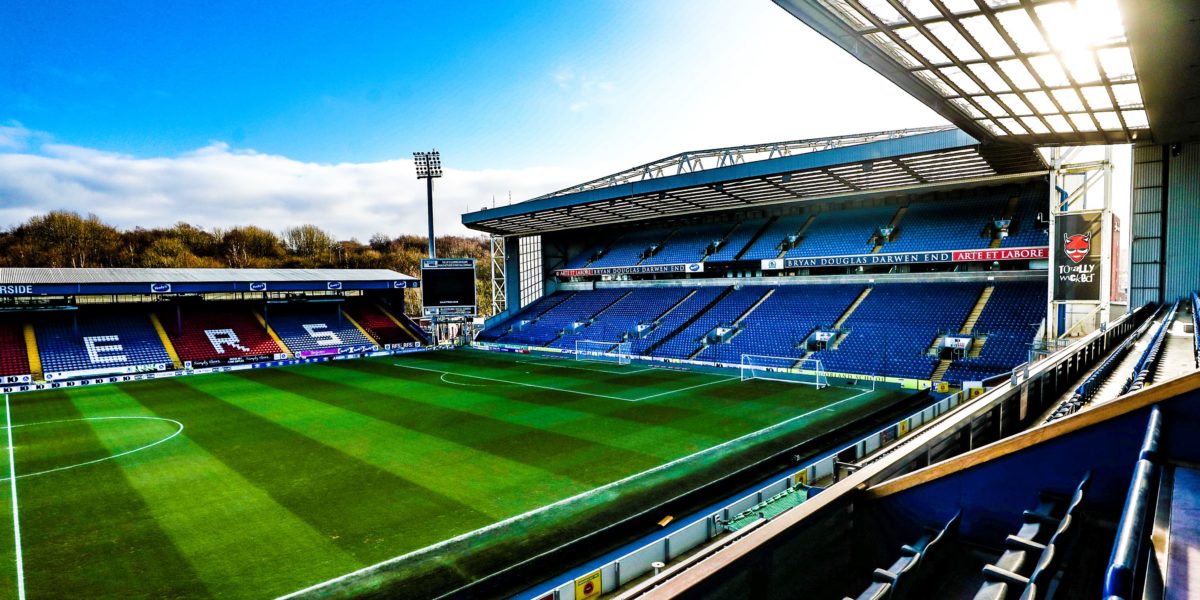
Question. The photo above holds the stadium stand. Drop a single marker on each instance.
(916, 562)
(934, 225)
(892, 329)
(620, 320)
(784, 321)
(738, 240)
(104, 339)
(531, 312)
(382, 325)
(771, 243)
(14, 358)
(315, 328)
(630, 248)
(213, 332)
(1006, 329)
(689, 244)
(577, 308)
(841, 232)
(1025, 230)
(681, 314)
(687, 341)
(582, 259)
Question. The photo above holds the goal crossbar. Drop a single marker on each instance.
(601, 351)
(805, 371)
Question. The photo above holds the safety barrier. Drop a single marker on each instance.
(1149, 358)
(1120, 578)
(1196, 326)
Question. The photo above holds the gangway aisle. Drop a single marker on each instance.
(1178, 347)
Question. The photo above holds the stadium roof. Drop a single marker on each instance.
(101, 275)
(83, 282)
(1034, 71)
(856, 166)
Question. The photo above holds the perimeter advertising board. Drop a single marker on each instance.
(1077, 256)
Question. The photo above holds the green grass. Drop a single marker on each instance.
(284, 478)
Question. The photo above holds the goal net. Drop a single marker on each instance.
(609, 352)
(807, 371)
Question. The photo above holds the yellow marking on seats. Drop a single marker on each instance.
(398, 323)
(166, 341)
(274, 336)
(31, 349)
(360, 328)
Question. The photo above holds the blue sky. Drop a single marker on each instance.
(521, 97)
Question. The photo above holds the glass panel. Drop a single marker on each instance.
(1117, 62)
(1069, 100)
(1128, 94)
(1041, 102)
(1013, 126)
(952, 39)
(1020, 76)
(1022, 30)
(1083, 121)
(1015, 105)
(1108, 120)
(989, 77)
(961, 80)
(992, 107)
(1049, 70)
(1097, 97)
(1082, 65)
(1136, 119)
(967, 108)
(1058, 123)
(1035, 125)
(935, 81)
(986, 35)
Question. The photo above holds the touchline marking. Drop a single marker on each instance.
(12, 477)
(532, 385)
(92, 462)
(592, 492)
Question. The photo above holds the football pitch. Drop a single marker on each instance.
(441, 465)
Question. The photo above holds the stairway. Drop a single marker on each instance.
(973, 316)
(724, 240)
(1013, 203)
(31, 348)
(850, 309)
(757, 234)
(977, 346)
(756, 304)
(942, 366)
(682, 326)
(895, 223)
(800, 233)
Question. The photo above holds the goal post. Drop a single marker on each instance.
(807, 371)
(608, 352)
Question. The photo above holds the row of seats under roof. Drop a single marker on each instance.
(925, 226)
(889, 333)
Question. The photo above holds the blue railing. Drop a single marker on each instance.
(1120, 578)
(1196, 326)
(1149, 358)
(1087, 390)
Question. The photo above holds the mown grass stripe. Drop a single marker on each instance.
(209, 511)
(88, 534)
(365, 510)
(18, 559)
(582, 460)
(458, 471)
(685, 420)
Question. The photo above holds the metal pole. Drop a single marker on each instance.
(429, 206)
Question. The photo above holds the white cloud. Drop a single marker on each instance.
(14, 136)
(215, 186)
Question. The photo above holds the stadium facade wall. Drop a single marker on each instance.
(1165, 206)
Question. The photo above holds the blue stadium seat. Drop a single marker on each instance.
(768, 245)
(315, 328)
(1010, 321)
(947, 225)
(622, 317)
(688, 244)
(578, 307)
(737, 240)
(104, 340)
(683, 344)
(628, 249)
(841, 232)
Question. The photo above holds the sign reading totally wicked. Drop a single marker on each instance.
(1077, 259)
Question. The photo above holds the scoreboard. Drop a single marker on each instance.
(448, 287)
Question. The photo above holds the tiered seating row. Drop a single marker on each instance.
(1010, 321)
(548, 326)
(620, 320)
(14, 357)
(900, 580)
(214, 334)
(107, 341)
(379, 325)
(686, 342)
(1032, 557)
(1196, 326)
(316, 330)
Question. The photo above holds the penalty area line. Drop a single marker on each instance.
(580, 496)
(532, 385)
(12, 477)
